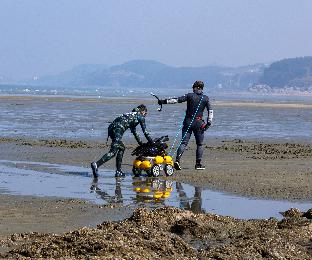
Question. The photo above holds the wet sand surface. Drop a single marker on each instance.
(126, 100)
(266, 169)
(262, 170)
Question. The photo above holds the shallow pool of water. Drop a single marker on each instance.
(55, 180)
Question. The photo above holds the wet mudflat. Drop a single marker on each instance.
(277, 168)
(66, 181)
(84, 118)
(163, 232)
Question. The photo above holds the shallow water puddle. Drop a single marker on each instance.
(56, 180)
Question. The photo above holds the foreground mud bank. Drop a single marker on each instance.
(175, 234)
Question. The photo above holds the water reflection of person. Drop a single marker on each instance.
(196, 204)
(104, 195)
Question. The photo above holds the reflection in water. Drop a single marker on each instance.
(146, 190)
(74, 182)
(194, 205)
(150, 191)
(117, 198)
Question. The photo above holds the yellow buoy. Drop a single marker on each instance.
(137, 163)
(166, 194)
(137, 189)
(158, 160)
(158, 194)
(168, 159)
(145, 165)
(145, 190)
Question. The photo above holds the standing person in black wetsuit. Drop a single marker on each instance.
(116, 130)
(193, 122)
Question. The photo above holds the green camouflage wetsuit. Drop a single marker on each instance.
(116, 130)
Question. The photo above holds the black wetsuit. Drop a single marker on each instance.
(197, 102)
(116, 130)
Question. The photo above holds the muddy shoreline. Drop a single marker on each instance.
(280, 171)
(127, 100)
(254, 169)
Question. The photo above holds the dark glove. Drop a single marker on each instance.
(205, 126)
(162, 101)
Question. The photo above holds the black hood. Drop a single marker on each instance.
(198, 91)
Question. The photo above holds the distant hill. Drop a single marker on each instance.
(287, 75)
(77, 76)
(290, 76)
(149, 73)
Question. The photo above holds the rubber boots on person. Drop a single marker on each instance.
(177, 165)
(119, 173)
(199, 166)
(94, 168)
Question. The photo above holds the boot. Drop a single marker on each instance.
(119, 156)
(199, 166)
(119, 173)
(94, 168)
(177, 165)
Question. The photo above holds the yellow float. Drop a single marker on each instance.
(145, 190)
(158, 194)
(137, 163)
(145, 165)
(158, 160)
(166, 194)
(137, 189)
(168, 159)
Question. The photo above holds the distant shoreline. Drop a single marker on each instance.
(131, 100)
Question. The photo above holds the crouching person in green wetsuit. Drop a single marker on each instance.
(116, 130)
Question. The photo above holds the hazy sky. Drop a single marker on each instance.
(39, 37)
